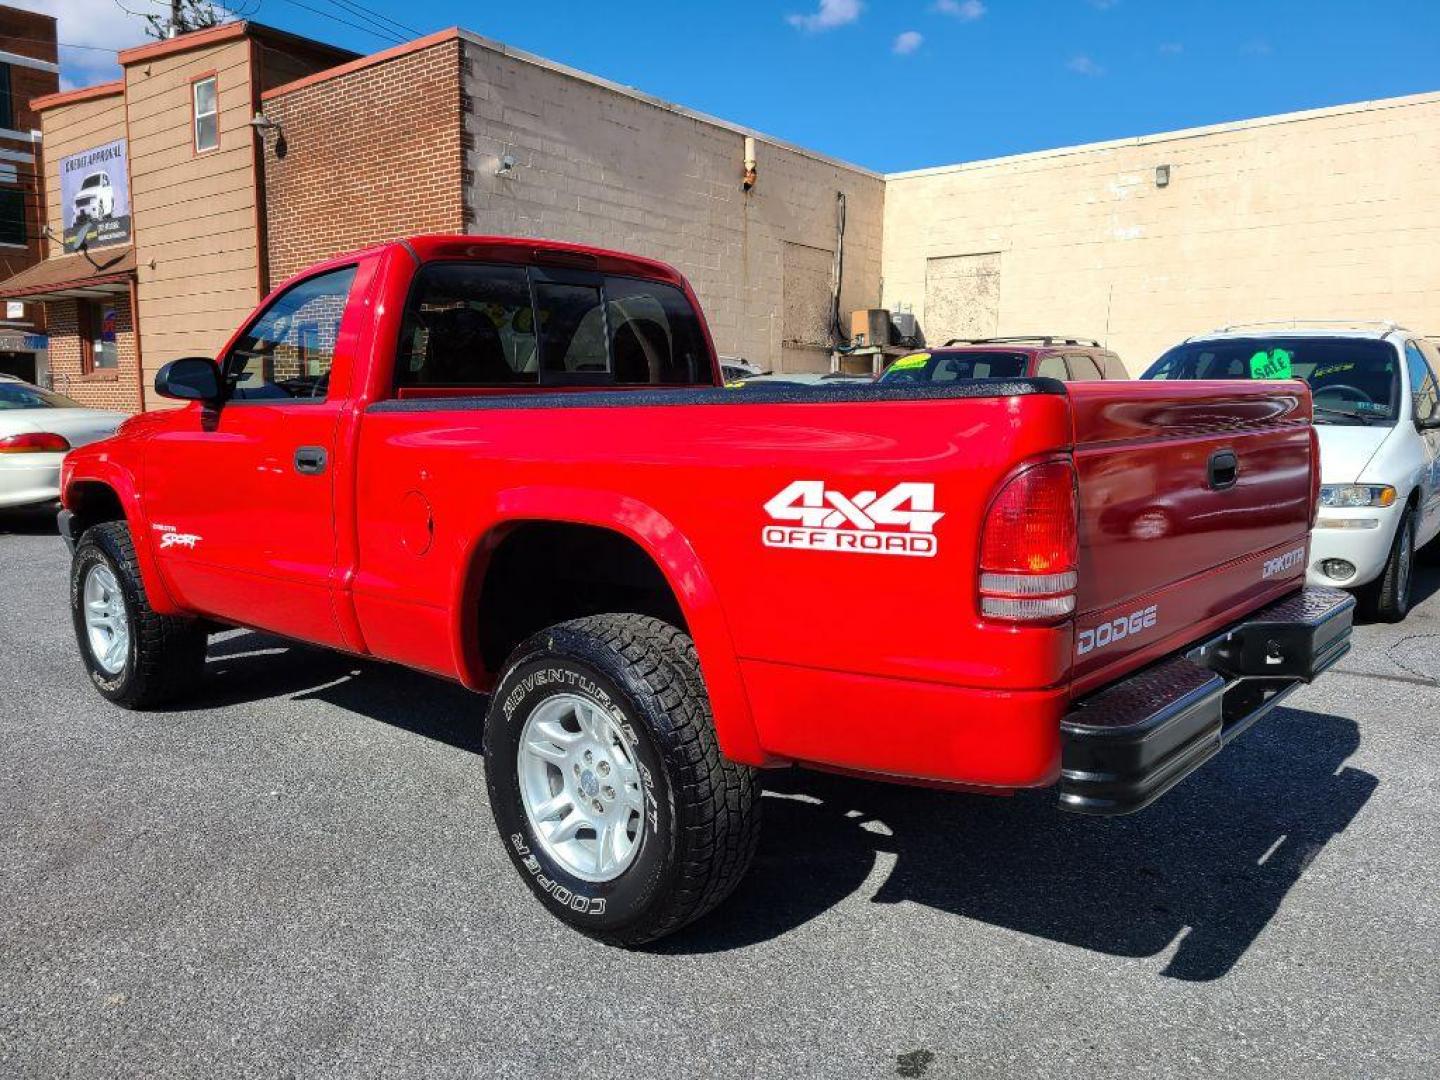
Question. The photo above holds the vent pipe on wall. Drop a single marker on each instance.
(751, 166)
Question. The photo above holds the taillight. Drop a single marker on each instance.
(1029, 547)
(39, 442)
(1314, 477)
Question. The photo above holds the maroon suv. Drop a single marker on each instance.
(1068, 359)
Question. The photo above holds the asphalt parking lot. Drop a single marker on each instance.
(297, 877)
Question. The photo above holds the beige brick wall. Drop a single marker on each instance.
(1332, 213)
(596, 165)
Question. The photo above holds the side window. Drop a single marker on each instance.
(287, 352)
(655, 336)
(1083, 368)
(468, 324)
(1052, 367)
(1111, 366)
(206, 101)
(1422, 383)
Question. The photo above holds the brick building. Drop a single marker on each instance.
(29, 68)
(152, 200)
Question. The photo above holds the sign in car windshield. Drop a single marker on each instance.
(95, 197)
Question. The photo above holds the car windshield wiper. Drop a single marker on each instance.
(1364, 418)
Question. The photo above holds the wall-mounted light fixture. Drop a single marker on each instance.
(262, 124)
(1162, 176)
(506, 167)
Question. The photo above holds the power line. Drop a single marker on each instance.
(386, 35)
(367, 13)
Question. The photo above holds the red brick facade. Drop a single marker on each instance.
(370, 154)
(111, 388)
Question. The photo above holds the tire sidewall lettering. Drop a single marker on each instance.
(596, 904)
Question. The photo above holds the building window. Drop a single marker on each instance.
(7, 100)
(12, 216)
(98, 348)
(207, 113)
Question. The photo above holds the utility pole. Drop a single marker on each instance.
(175, 17)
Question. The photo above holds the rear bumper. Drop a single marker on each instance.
(1128, 744)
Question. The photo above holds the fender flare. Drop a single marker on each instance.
(666, 546)
(118, 480)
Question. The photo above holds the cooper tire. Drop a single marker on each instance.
(1390, 595)
(701, 813)
(163, 655)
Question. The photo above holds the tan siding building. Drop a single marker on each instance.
(1332, 213)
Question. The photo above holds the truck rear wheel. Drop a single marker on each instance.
(135, 657)
(607, 782)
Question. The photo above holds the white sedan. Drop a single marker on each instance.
(37, 428)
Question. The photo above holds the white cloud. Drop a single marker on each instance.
(1171, 48)
(830, 14)
(92, 31)
(964, 10)
(908, 42)
(1256, 47)
(1084, 65)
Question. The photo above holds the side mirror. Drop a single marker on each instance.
(1429, 424)
(194, 378)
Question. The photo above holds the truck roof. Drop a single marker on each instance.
(521, 249)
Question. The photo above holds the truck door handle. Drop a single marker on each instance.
(1224, 470)
(310, 460)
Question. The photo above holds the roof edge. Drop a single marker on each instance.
(214, 35)
(362, 62)
(71, 97)
(1179, 134)
(500, 47)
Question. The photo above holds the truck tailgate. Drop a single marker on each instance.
(1195, 504)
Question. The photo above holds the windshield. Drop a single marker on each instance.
(91, 181)
(14, 395)
(942, 367)
(1353, 380)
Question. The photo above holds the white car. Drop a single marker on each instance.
(37, 428)
(95, 200)
(1377, 412)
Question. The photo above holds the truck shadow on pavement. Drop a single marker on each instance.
(1208, 864)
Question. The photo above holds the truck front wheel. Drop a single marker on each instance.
(135, 658)
(607, 782)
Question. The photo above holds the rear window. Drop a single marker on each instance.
(23, 396)
(1353, 380)
(943, 367)
(481, 325)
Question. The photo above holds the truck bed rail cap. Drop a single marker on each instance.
(714, 395)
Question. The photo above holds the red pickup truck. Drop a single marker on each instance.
(513, 464)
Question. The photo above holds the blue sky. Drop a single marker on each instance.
(901, 84)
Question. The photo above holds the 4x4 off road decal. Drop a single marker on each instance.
(899, 522)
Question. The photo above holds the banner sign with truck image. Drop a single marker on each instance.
(95, 197)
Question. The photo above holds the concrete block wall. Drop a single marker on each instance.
(602, 165)
(1329, 213)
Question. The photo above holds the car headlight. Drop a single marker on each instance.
(1356, 495)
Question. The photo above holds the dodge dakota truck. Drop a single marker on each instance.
(512, 463)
